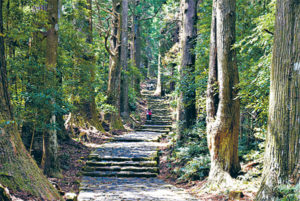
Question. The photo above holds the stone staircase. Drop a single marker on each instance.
(134, 154)
(126, 168)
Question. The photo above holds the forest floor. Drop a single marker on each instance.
(194, 187)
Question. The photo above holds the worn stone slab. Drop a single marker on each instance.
(158, 126)
(156, 122)
(139, 136)
(154, 130)
(119, 174)
(119, 150)
(122, 163)
(122, 168)
(133, 189)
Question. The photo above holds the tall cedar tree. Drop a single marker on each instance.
(135, 51)
(89, 104)
(51, 167)
(223, 108)
(18, 169)
(124, 60)
(114, 78)
(186, 109)
(282, 165)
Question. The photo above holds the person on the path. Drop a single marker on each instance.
(151, 86)
(149, 113)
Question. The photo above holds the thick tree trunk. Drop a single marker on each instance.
(135, 46)
(124, 61)
(114, 79)
(89, 104)
(186, 109)
(18, 169)
(281, 164)
(51, 166)
(222, 103)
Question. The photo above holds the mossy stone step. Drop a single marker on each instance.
(149, 122)
(157, 102)
(155, 99)
(158, 115)
(96, 157)
(154, 130)
(122, 168)
(122, 139)
(163, 127)
(161, 112)
(158, 107)
(157, 119)
(122, 163)
(119, 174)
(161, 116)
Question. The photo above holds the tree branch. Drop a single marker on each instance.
(269, 32)
(106, 45)
(148, 18)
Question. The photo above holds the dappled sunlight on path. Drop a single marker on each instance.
(126, 168)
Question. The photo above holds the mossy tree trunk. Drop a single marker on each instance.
(186, 109)
(281, 164)
(124, 61)
(89, 108)
(135, 45)
(222, 104)
(137, 52)
(51, 166)
(18, 171)
(114, 79)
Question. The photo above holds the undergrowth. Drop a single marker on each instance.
(190, 156)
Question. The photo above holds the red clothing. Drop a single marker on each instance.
(149, 113)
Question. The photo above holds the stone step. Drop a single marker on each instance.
(156, 99)
(159, 110)
(121, 168)
(119, 174)
(157, 102)
(122, 163)
(158, 105)
(156, 139)
(162, 116)
(158, 115)
(161, 119)
(97, 158)
(124, 139)
(149, 122)
(163, 127)
(154, 130)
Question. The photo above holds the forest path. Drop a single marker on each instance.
(127, 167)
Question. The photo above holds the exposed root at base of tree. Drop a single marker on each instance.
(202, 189)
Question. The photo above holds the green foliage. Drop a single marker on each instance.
(288, 192)
(102, 105)
(132, 97)
(254, 47)
(195, 169)
(190, 155)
